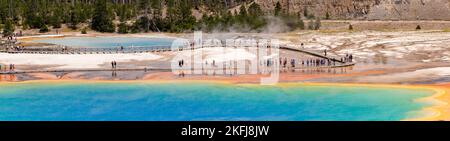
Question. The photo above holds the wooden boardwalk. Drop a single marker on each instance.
(114, 50)
(147, 50)
(147, 69)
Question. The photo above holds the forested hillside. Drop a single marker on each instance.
(132, 16)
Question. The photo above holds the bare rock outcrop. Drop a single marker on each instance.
(365, 9)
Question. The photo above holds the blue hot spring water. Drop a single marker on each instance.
(145, 101)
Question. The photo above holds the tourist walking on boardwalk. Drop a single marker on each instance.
(113, 64)
(325, 52)
(351, 58)
(293, 63)
(181, 63)
(281, 61)
(11, 67)
(348, 58)
(204, 68)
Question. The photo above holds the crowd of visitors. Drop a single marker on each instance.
(113, 64)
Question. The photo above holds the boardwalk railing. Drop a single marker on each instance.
(57, 49)
(151, 69)
(136, 49)
(332, 58)
(83, 70)
(75, 50)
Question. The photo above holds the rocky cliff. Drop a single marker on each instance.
(365, 9)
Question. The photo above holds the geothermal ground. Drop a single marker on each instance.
(405, 56)
(408, 57)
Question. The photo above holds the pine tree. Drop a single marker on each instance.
(145, 19)
(243, 11)
(186, 20)
(305, 12)
(277, 11)
(32, 18)
(8, 29)
(143, 24)
(311, 25)
(317, 24)
(44, 29)
(56, 20)
(3, 11)
(157, 15)
(327, 15)
(301, 24)
(123, 28)
(242, 17)
(254, 10)
(102, 19)
(84, 30)
(73, 19)
(122, 12)
(171, 16)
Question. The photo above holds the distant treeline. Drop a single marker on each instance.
(133, 16)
